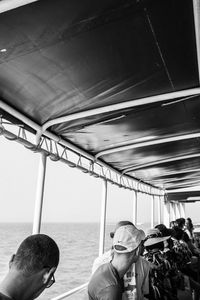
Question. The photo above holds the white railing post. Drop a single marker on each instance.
(159, 210)
(166, 213)
(152, 211)
(172, 210)
(177, 210)
(103, 216)
(182, 209)
(39, 194)
(135, 207)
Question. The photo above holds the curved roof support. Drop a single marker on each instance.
(196, 9)
(175, 173)
(77, 150)
(162, 161)
(118, 106)
(149, 143)
(6, 5)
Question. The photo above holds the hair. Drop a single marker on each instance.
(172, 224)
(35, 253)
(180, 222)
(164, 230)
(177, 233)
(190, 224)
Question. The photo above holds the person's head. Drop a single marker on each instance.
(189, 224)
(172, 224)
(166, 232)
(180, 222)
(177, 233)
(155, 239)
(127, 244)
(35, 260)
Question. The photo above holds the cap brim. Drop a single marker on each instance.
(156, 240)
(126, 250)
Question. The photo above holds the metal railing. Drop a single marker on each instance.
(71, 292)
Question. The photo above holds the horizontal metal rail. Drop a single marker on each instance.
(161, 161)
(72, 292)
(106, 169)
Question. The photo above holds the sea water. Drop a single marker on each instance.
(78, 244)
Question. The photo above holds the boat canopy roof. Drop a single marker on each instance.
(118, 80)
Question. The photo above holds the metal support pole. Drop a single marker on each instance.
(103, 217)
(172, 209)
(39, 194)
(177, 210)
(166, 213)
(152, 212)
(182, 209)
(159, 210)
(135, 208)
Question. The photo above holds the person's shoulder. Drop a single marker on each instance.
(144, 263)
(111, 292)
(100, 260)
(101, 271)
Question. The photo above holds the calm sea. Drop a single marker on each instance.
(78, 244)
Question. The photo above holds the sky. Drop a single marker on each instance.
(70, 195)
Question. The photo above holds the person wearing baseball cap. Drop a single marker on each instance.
(108, 280)
(108, 255)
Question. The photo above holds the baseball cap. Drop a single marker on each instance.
(119, 224)
(128, 237)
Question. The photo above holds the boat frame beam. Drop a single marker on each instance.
(103, 216)
(39, 194)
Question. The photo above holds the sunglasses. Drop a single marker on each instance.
(51, 282)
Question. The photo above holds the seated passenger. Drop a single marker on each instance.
(107, 256)
(189, 229)
(107, 281)
(31, 270)
(160, 282)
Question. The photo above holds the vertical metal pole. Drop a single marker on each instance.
(152, 211)
(177, 210)
(159, 210)
(166, 213)
(103, 217)
(135, 208)
(39, 194)
(173, 217)
(182, 209)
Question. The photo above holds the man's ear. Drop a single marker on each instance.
(48, 274)
(11, 260)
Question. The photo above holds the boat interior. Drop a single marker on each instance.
(110, 87)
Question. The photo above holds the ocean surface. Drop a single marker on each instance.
(78, 244)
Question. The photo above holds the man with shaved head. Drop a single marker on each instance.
(31, 269)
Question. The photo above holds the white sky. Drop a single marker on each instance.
(70, 195)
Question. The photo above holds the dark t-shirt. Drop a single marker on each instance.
(3, 297)
(105, 284)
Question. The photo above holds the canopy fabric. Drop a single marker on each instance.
(63, 57)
